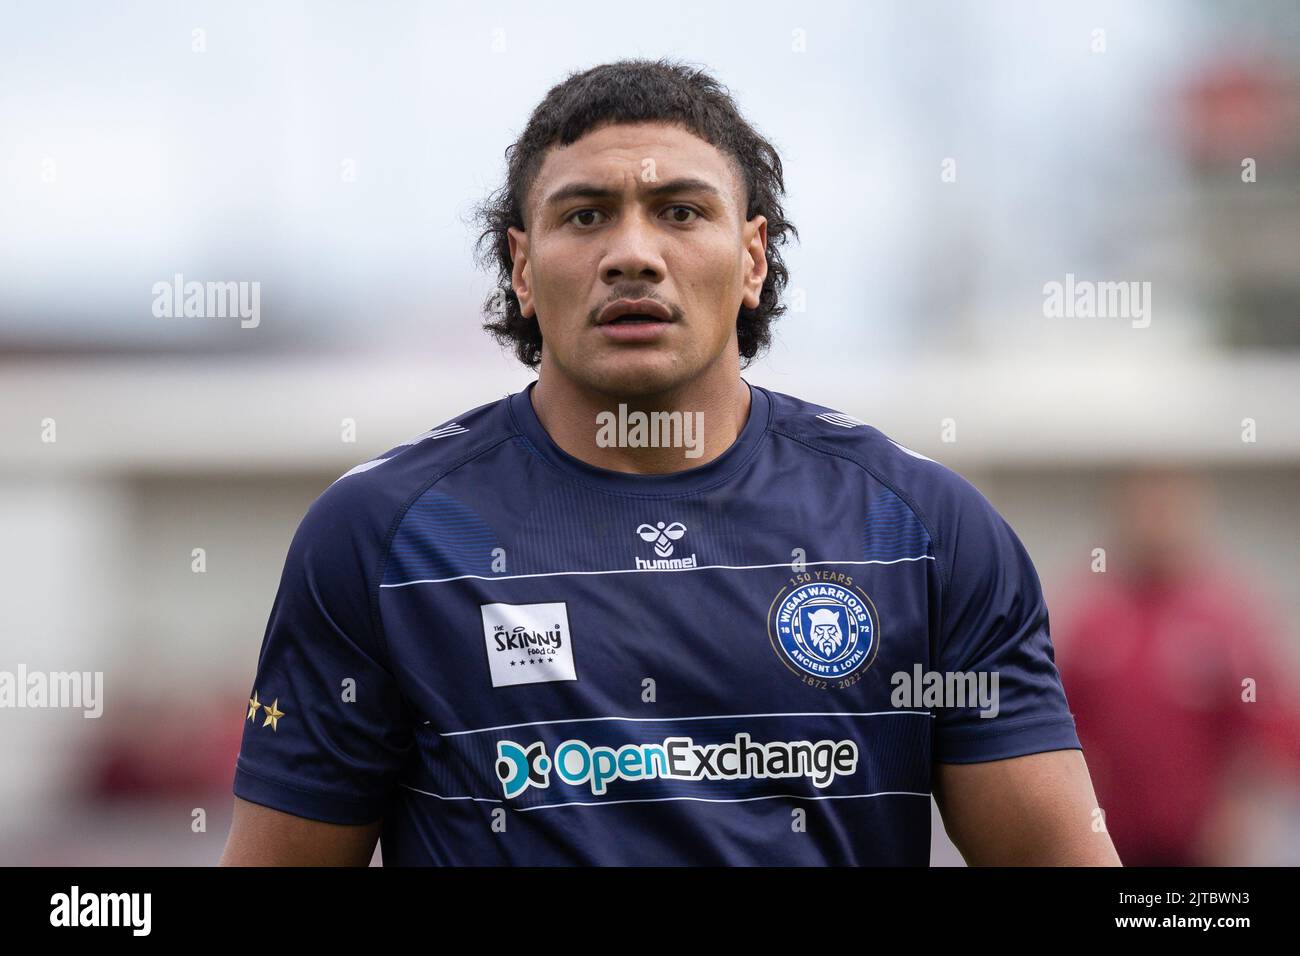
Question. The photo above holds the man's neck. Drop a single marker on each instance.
(592, 427)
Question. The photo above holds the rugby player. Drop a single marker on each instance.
(642, 611)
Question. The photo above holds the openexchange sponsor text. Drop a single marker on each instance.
(578, 763)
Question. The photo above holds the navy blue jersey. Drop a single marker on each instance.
(515, 657)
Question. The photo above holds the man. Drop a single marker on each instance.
(534, 636)
(1178, 679)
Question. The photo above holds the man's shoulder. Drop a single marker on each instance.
(929, 486)
(367, 497)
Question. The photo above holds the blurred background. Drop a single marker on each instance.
(946, 162)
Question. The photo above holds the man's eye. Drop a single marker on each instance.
(674, 210)
(584, 212)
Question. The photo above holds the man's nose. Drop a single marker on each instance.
(633, 251)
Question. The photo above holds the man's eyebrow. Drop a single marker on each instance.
(686, 184)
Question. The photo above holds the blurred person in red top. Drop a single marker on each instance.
(1177, 677)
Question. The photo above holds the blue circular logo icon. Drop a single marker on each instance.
(824, 630)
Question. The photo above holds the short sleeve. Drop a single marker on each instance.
(994, 622)
(326, 730)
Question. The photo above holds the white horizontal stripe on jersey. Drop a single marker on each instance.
(703, 567)
(579, 720)
(774, 796)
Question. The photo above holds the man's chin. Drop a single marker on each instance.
(631, 374)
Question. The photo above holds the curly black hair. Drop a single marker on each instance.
(633, 91)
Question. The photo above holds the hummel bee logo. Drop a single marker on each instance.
(662, 537)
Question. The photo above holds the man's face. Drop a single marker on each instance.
(610, 217)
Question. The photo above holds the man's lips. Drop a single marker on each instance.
(646, 307)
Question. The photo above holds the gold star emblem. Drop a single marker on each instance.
(253, 706)
(273, 714)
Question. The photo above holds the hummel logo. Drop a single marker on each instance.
(662, 537)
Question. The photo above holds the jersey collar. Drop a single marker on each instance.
(690, 479)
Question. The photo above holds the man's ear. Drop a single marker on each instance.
(756, 248)
(520, 273)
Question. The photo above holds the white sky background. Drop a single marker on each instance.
(225, 165)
